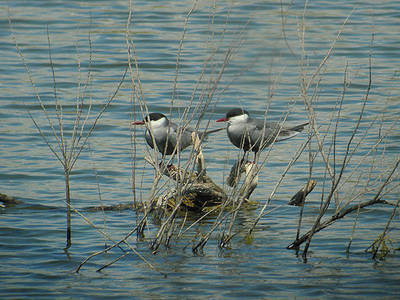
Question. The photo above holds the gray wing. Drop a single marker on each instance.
(185, 136)
(267, 131)
(167, 144)
(274, 131)
(289, 132)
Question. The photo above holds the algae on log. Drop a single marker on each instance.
(195, 190)
(6, 200)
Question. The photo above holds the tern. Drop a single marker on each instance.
(167, 135)
(255, 135)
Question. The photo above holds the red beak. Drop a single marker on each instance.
(222, 120)
(138, 123)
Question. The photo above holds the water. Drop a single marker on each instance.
(32, 236)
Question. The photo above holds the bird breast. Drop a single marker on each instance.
(239, 135)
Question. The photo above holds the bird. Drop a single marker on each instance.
(167, 134)
(255, 135)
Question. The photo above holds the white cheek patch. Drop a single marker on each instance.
(238, 119)
(157, 124)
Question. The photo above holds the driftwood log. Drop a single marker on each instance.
(196, 189)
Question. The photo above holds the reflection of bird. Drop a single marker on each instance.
(167, 133)
(254, 135)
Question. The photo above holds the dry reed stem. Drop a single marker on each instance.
(336, 180)
(383, 235)
(183, 179)
(250, 183)
(306, 84)
(116, 244)
(377, 199)
(290, 164)
(213, 87)
(98, 190)
(67, 157)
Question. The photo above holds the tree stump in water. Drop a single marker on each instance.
(198, 194)
(198, 191)
(300, 196)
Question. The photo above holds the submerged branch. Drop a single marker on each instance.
(340, 214)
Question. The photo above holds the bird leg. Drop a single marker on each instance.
(244, 158)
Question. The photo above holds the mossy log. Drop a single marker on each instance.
(6, 201)
(196, 189)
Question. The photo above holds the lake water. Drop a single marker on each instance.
(265, 69)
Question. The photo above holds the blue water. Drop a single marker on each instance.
(262, 73)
